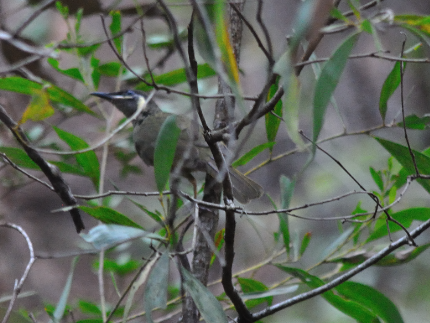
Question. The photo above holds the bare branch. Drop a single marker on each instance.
(11, 163)
(52, 172)
(339, 280)
(20, 283)
(42, 7)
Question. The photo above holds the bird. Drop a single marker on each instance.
(192, 152)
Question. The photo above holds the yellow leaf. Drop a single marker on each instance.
(227, 53)
(39, 107)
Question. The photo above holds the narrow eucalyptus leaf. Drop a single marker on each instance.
(206, 302)
(156, 286)
(165, 149)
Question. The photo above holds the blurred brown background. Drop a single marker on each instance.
(29, 204)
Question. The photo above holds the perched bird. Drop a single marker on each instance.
(192, 152)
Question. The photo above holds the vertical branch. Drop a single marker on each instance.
(208, 218)
(191, 78)
(223, 114)
(265, 31)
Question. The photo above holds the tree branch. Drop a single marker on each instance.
(52, 173)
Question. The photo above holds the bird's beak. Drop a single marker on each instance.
(112, 96)
(103, 95)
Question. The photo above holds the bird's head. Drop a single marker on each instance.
(127, 101)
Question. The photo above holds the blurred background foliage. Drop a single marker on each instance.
(70, 58)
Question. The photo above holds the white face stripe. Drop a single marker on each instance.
(121, 97)
(141, 101)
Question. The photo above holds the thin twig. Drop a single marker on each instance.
(11, 163)
(120, 58)
(21, 45)
(18, 284)
(372, 196)
(402, 102)
(339, 280)
(379, 55)
(20, 64)
(145, 54)
(109, 193)
(254, 33)
(104, 140)
(264, 28)
(51, 172)
(127, 290)
(42, 7)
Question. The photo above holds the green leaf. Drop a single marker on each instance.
(402, 256)
(367, 26)
(283, 67)
(272, 121)
(337, 14)
(390, 85)
(111, 69)
(336, 244)
(88, 160)
(349, 307)
(372, 299)
(104, 236)
(284, 230)
(24, 86)
(355, 8)
(165, 148)
(399, 257)
(62, 302)
(70, 72)
(404, 217)
(287, 189)
(19, 157)
(156, 286)
(87, 50)
(115, 27)
(64, 10)
(176, 77)
(401, 153)
(328, 80)
(137, 283)
(154, 215)
(209, 307)
(88, 308)
(79, 15)
(415, 122)
(95, 74)
(252, 154)
(109, 216)
(119, 267)
(92, 320)
(249, 285)
(305, 242)
(291, 110)
(377, 178)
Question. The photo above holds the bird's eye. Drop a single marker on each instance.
(130, 92)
